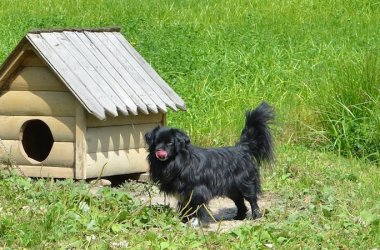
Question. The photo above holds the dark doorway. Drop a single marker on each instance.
(37, 139)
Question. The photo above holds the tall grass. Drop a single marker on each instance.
(348, 108)
(225, 57)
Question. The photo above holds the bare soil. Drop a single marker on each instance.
(223, 210)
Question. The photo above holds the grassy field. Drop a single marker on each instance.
(316, 62)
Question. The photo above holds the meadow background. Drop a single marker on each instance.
(316, 62)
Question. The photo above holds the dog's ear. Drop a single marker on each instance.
(150, 136)
(181, 139)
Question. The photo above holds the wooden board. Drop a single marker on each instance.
(67, 74)
(99, 62)
(135, 70)
(36, 78)
(89, 72)
(114, 138)
(61, 154)
(22, 50)
(134, 87)
(161, 99)
(80, 142)
(108, 63)
(46, 171)
(75, 69)
(39, 103)
(92, 121)
(33, 60)
(62, 128)
(149, 70)
(101, 76)
(117, 162)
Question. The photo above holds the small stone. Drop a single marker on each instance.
(101, 182)
(105, 182)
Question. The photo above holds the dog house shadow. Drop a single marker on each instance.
(75, 100)
(107, 141)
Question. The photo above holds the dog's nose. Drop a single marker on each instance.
(162, 155)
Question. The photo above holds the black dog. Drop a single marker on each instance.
(196, 175)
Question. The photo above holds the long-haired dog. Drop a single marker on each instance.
(196, 175)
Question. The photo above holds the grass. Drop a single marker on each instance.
(325, 203)
(315, 61)
(351, 116)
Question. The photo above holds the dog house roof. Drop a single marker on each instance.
(101, 68)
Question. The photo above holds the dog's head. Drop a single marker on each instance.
(166, 142)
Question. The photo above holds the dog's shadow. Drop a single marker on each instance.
(224, 214)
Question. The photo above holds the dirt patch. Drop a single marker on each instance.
(223, 210)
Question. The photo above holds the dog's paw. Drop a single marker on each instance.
(240, 217)
(256, 214)
(197, 223)
(194, 222)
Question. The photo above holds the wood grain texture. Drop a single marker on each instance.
(76, 69)
(117, 162)
(46, 171)
(36, 78)
(13, 62)
(62, 128)
(132, 86)
(138, 73)
(114, 138)
(151, 72)
(91, 73)
(92, 121)
(80, 142)
(65, 70)
(61, 154)
(94, 61)
(100, 68)
(39, 103)
(110, 65)
(33, 60)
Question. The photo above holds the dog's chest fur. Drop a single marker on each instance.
(173, 181)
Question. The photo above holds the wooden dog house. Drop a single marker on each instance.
(77, 103)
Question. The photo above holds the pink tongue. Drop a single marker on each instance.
(161, 154)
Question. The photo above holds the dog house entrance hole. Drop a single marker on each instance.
(37, 139)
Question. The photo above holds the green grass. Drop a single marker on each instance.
(316, 62)
(322, 202)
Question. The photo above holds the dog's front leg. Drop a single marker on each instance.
(194, 207)
(197, 215)
(200, 197)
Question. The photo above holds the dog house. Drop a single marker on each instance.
(76, 104)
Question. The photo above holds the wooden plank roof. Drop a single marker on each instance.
(102, 69)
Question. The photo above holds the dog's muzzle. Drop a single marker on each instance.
(162, 155)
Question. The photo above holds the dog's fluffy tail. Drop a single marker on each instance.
(256, 138)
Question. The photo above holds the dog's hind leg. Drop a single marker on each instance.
(241, 208)
(254, 207)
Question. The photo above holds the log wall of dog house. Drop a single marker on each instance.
(82, 145)
(48, 94)
(35, 94)
(116, 145)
